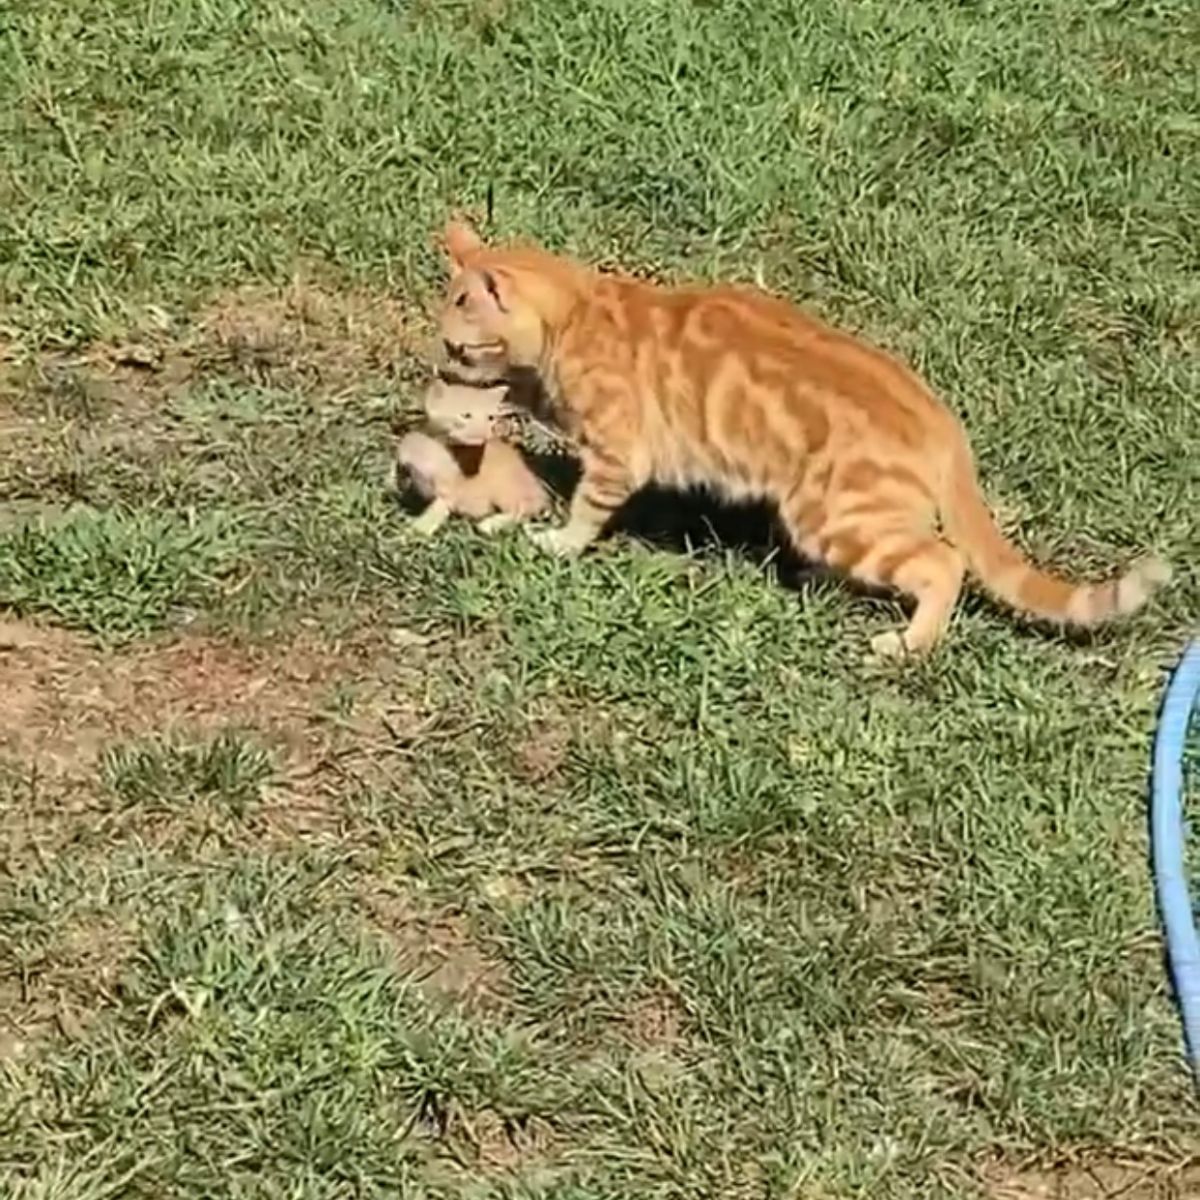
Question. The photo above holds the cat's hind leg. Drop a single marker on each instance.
(887, 546)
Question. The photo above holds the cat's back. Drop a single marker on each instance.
(730, 315)
(777, 340)
(680, 342)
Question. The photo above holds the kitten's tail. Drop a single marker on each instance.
(1011, 577)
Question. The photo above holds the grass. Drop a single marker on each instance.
(225, 768)
(114, 573)
(339, 864)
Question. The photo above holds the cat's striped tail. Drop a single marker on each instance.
(1009, 576)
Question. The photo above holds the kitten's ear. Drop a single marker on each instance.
(460, 241)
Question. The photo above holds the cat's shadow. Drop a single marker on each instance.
(695, 523)
(701, 524)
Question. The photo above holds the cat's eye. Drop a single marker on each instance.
(461, 302)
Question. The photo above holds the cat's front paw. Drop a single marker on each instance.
(559, 540)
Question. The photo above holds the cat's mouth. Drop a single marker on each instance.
(469, 354)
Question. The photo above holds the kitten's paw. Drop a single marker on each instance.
(496, 523)
(888, 647)
(421, 528)
(430, 521)
(556, 539)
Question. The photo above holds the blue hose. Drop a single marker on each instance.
(1167, 840)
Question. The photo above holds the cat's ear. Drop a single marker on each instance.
(497, 287)
(460, 241)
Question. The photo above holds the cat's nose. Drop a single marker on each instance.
(454, 350)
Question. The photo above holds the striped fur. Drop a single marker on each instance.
(734, 389)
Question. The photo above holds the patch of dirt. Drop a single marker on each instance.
(305, 335)
(653, 1021)
(541, 754)
(436, 949)
(321, 338)
(550, 730)
(300, 807)
(505, 1143)
(62, 411)
(62, 987)
(65, 698)
(1113, 337)
(485, 1140)
(325, 710)
(1095, 1177)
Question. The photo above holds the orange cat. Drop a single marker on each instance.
(731, 388)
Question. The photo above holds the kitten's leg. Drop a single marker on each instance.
(497, 522)
(603, 488)
(432, 519)
(473, 498)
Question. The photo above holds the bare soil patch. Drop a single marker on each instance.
(305, 334)
(1096, 1177)
(65, 697)
(324, 710)
(542, 753)
(505, 1144)
(437, 950)
(71, 418)
(61, 987)
(653, 1021)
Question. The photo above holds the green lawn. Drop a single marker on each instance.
(341, 865)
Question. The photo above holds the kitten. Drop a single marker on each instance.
(501, 491)
(738, 390)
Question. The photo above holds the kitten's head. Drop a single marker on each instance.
(469, 415)
(502, 303)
